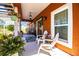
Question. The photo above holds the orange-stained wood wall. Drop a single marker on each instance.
(75, 48)
(47, 25)
(46, 12)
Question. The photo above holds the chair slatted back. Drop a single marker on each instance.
(55, 39)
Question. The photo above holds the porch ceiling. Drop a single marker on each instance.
(34, 8)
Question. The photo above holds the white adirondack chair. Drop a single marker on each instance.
(42, 37)
(48, 47)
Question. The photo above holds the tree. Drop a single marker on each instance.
(10, 27)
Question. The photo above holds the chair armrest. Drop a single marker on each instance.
(46, 45)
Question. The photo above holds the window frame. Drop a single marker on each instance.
(70, 23)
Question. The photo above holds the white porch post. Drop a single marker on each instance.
(16, 27)
(17, 24)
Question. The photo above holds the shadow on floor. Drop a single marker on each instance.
(30, 48)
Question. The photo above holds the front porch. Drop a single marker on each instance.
(62, 18)
(31, 49)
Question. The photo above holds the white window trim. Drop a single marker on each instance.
(70, 23)
(61, 25)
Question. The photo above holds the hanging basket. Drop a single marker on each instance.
(14, 18)
(14, 15)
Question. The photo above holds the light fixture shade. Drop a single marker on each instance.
(30, 16)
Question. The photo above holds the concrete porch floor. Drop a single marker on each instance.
(31, 49)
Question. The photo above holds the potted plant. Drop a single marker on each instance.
(10, 45)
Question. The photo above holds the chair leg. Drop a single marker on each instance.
(38, 42)
(38, 51)
(43, 41)
(51, 52)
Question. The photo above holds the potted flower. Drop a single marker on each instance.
(9, 45)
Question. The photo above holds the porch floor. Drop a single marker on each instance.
(31, 49)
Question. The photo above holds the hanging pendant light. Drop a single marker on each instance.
(30, 16)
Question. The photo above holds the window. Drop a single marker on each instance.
(39, 26)
(61, 25)
(61, 22)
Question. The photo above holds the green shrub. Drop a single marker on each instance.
(10, 45)
(10, 27)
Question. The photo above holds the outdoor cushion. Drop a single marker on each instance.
(29, 37)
